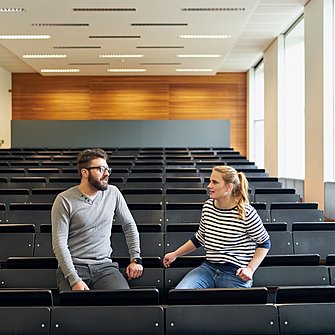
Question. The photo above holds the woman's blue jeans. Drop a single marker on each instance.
(209, 275)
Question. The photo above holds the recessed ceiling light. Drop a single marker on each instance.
(204, 36)
(59, 70)
(24, 37)
(44, 56)
(121, 56)
(200, 56)
(126, 70)
(194, 70)
(11, 10)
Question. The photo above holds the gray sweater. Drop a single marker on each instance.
(81, 229)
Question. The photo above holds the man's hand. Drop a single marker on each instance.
(81, 286)
(134, 270)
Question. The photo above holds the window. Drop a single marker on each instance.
(291, 133)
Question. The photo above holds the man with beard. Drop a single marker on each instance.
(82, 219)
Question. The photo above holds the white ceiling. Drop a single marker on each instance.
(81, 34)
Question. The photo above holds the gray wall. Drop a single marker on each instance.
(119, 133)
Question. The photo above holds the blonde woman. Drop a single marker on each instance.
(231, 232)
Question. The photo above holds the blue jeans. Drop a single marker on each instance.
(209, 275)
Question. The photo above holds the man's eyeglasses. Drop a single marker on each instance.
(102, 169)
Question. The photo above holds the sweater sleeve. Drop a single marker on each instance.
(60, 232)
(128, 226)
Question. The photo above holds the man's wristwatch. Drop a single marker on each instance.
(137, 260)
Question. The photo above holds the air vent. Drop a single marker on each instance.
(77, 47)
(160, 24)
(160, 47)
(114, 36)
(104, 9)
(215, 9)
(60, 24)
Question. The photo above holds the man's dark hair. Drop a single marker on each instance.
(84, 158)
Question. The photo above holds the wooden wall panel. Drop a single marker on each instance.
(134, 98)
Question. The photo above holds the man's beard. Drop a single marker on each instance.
(97, 183)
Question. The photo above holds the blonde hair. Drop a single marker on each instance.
(240, 186)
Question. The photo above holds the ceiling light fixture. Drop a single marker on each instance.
(121, 56)
(205, 36)
(126, 70)
(194, 70)
(59, 70)
(215, 9)
(199, 56)
(11, 10)
(24, 37)
(44, 56)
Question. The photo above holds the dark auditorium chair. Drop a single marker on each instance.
(189, 194)
(317, 241)
(63, 182)
(28, 278)
(25, 311)
(46, 195)
(2, 212)
(16, 244)
(43, 245)
(108, 312)
(210, 296)
(305, 294)
(262, 211)
(281, 243)
(14, 195)
(36, 213)
(222, 319)
(269, 195)
(290, 212)
(187, 212)
(174, 240)
(308, 318)
(12, 172)
(183, 182)
(3, 182)
(152, 245)
(42, 172)
(263, 182)
(274, 276)
(27, 182)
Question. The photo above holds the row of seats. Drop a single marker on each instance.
(167, 214)
(22, 240)
(79, 314)
(131, 181)
(40, 273)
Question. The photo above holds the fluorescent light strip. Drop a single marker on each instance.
(11, 10)
(60, 24)
(200, 56)
(59, 70)
(194, 70)
(24, 37)
(104, 9)
(121, 56)
(126, 70)
(43, 56)
(215, 9)
(205, 36)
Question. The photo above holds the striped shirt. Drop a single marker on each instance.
(226, 237)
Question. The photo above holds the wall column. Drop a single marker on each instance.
(314, 102)
(5, 108)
